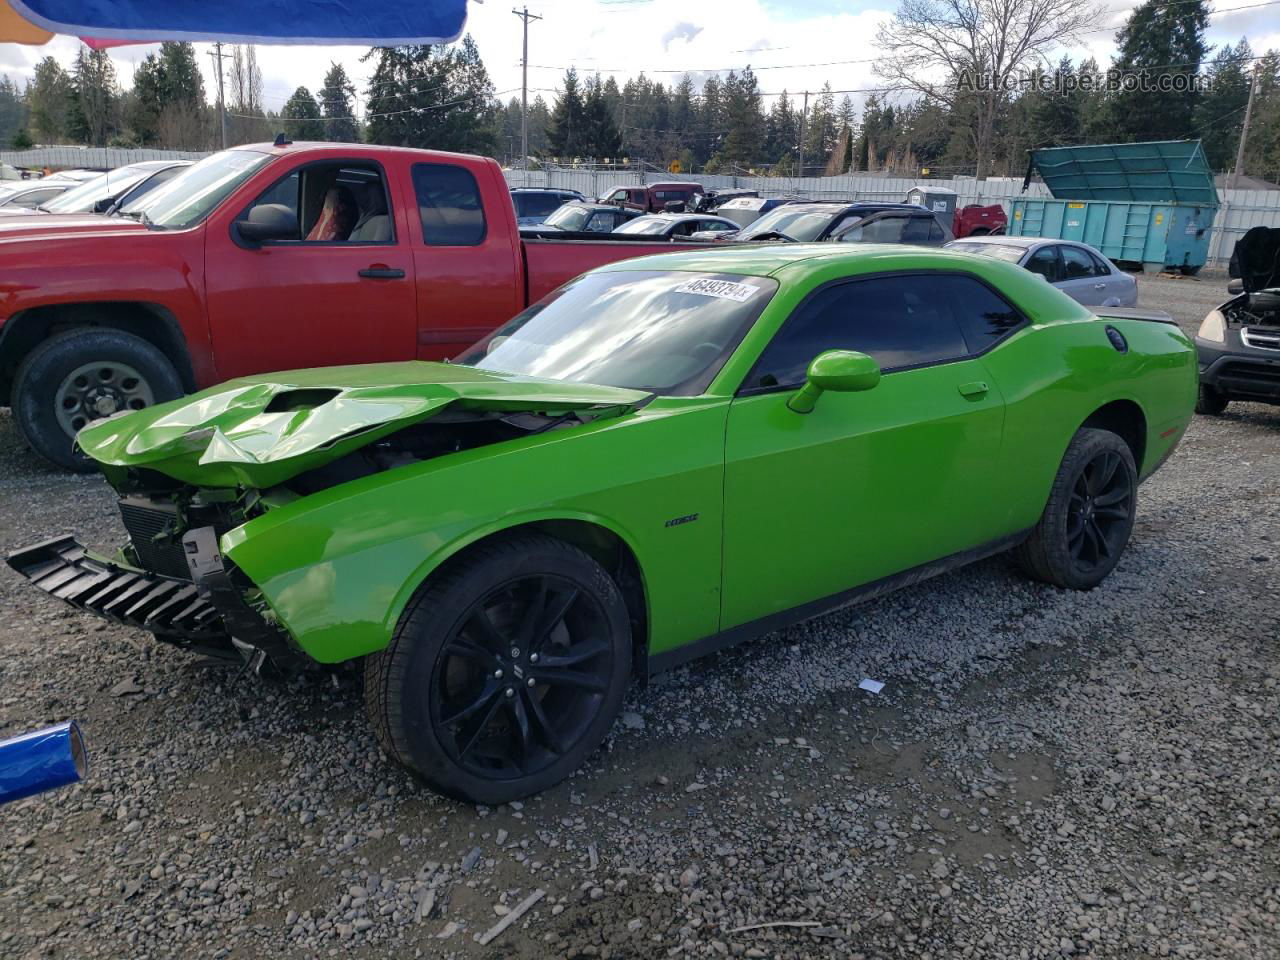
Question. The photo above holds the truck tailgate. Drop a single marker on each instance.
(549, 263)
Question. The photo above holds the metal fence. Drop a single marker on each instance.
(91, 158)
(1240, 209)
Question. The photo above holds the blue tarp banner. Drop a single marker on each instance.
(367, 23)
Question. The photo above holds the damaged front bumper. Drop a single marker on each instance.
(207, 613)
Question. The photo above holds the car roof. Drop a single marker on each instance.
(768, 259)
(1025, 242)
(546, 190)
(591, 205)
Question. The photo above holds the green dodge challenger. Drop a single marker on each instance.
(663, 457)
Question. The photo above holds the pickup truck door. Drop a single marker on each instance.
(466, 256)
(325, 296)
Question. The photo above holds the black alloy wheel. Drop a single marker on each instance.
(1101, 512)
(506, 670)
(522, 677)
(1089, 516)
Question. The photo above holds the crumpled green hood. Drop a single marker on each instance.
(259, 431)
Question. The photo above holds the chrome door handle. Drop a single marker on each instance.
(977, 388)
(1099, 286)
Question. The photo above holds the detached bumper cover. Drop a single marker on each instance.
(171, 608)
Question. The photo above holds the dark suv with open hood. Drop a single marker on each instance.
(1239, 343)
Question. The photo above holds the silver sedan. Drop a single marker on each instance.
(1077, 269)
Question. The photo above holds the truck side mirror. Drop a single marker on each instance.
(268, 221)
(1235, 287)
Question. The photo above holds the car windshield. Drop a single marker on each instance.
(798, 221)
(192, 195)
(1000, 251)
(645, 225)
(84, 198)
(570, 217)
(667, 332)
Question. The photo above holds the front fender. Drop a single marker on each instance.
(338, 567)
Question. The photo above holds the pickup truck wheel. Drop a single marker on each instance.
(82, 375)
(505, 672)
(1210, 401)
(1089, 517)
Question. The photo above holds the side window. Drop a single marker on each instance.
(899, 321)
(847, 222)
(35, 197)
(916, 229)
(449, 205)
(1045, 262)
(1100, 267)
(601, 221)
(333, 203)
(982, 314)
(1077, 263)
(935, 232)
(618, 196)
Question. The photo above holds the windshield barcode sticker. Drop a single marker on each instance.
(723, 289)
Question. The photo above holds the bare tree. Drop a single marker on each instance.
(958, 50)
(247, 122)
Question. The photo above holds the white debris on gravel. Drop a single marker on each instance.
(1046, 773)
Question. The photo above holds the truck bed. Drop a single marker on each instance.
(550, 262)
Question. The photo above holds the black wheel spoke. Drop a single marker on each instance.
(1107, 471)
(467, 741)
(484, 696)
(459, 646)
(542, 726)
(1117, 512)
(482, 630)
(1118, 494)
(571, 678)
(520, 732)
(1100, 539)
(574, 656)
(552, 615)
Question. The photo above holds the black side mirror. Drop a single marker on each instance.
(268, 221)
(1235, 287)
(103, 205)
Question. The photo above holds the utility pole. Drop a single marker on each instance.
(800, 146)
(1244, 131)
(526, 16)
(218, 56)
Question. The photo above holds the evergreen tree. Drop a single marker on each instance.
(710, 123)
(1159, 39)
(601, 137)
(49, 100)
(744, 119)
(1219, 114)
(1262, 152)
(337, 98)
(305, 111)
(820, 130)
(432, 96)
(13, 112)
(567, 130)
(94, 97)
(783, 130)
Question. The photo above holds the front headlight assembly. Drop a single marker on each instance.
(1214, 327)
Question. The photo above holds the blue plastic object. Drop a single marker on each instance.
(44, 760)
(1148, 204)
(373, 22)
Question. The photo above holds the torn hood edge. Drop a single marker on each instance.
(1256, 259)
(260, 431)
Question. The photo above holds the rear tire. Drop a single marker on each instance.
(1211, 402)
(505, 672)
(1089, 517)
(82, 375)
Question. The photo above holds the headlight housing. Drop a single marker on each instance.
(1214, 327)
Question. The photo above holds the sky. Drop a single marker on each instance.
(791, 44)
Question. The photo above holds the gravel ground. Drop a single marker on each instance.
(1044, 774)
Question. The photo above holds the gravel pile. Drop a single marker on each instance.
(1045, 773)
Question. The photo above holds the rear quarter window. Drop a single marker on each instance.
(449, 205)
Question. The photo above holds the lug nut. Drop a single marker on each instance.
(510, 693)
(530, 682)
(497, 674)
(533, 658)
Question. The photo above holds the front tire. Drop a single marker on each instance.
(505, 672)
(82, 375)
(1089, 517)
(1210, 401)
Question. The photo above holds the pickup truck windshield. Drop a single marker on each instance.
(192, 195)
(802, 222)
(666, 332)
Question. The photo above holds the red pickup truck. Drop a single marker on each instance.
(264, 257)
